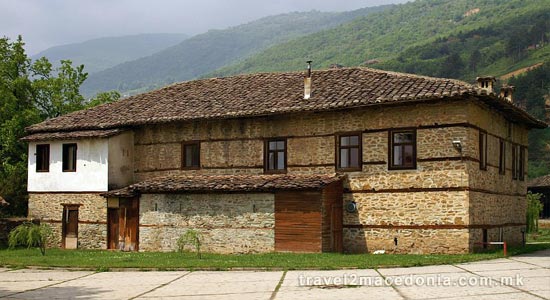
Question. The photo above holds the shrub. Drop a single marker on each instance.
(190, 237)
(31, 235)
(534, 207)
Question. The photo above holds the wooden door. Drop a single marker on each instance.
(113, 228)
(131, 225)
(123, 225)
(70, 227)
(336, 224)
(298, 221)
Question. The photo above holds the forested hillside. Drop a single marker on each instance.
(497, 48)
(102, 53)
(417, 37)
(216, 48)
(533, 89)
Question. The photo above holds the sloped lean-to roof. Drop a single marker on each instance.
(274, 93)
(542, 181)
(225, 183)
(71, 135)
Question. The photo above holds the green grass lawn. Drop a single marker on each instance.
(543, 235)
(105, 260)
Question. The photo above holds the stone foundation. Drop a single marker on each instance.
(227, 223)
(411, 241)
(92, 216)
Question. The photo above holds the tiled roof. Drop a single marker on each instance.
(543, 181)
(225, 183)
(72, 135)
(271, 93)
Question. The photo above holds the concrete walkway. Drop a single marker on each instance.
(519, 277)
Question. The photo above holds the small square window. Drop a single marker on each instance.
(191, 155)
(275, 156)
(43, 158)
(348, 155)
(402, 150)
(69, 157)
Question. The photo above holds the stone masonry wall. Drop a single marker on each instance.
(238, 144)
(413, 241)
(497, 202)
(92, 216)
(428, 209)
(227, 223)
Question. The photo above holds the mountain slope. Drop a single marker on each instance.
(214, 49)
(533, 90)
(102, 53)
(496, 48)
(384, 36)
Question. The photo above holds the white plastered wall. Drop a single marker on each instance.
(91, 168)
(121, 160)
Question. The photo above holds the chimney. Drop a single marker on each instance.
(486, 84)
(506, 93)
(307, 82)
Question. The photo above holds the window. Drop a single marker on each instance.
(515, 161)
(275, 156)
(518, 162)
(69, 157)
(521, 163)
(349, 152)
(42, 158)
(402, 154)
(502, 157)
(191, 153)
(483, 150)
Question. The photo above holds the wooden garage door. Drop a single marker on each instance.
(298, 221)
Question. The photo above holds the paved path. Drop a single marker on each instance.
(519, 277)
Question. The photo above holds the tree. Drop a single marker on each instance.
(475, 59)
(17, 111)
(30, 93)
(190, 238)
(534, 207)
(103, 98)
(57, 95)
(31, 235)
(452, 66)
(518, 40)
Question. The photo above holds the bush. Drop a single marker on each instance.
(190, 237)
(534, 207)
(31, 235)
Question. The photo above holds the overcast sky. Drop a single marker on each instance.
(46, 23)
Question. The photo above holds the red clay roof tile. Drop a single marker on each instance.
(271, 93)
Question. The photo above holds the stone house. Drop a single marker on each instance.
(345, 159)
